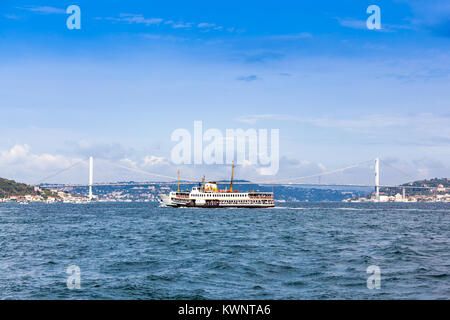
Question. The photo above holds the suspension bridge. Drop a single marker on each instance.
(293, 181)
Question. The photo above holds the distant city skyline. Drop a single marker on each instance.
(117, 88)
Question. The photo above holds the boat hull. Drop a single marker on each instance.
(176, 203)
(221, 206)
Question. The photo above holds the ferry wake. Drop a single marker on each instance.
(207, 195)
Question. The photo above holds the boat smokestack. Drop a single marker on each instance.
(231, 182)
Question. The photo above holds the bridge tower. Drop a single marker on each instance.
(91, 176)
(377, 179)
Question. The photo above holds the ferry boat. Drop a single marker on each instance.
(207, 195)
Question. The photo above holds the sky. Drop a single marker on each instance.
(136, 71)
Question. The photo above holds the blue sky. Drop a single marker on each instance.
(136, 71)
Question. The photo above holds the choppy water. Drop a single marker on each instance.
(298, 251)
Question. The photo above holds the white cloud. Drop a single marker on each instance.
(362, 25)
(424, 122)
(20, 155)
(247, 163)
(128, 162)
(151, 160)
(298, 36)
(136, 18)
(140, 19)
(11, 16)
(206, 25)
(44, 9)
(181, 25)
(209, 26)
(21, 164)
(15, 154)
(353, 23)
(163, 37)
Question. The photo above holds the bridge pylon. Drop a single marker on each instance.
(91, 176)
(377, 179)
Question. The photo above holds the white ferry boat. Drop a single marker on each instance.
(207, 195)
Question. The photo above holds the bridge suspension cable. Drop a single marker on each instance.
(138, 170)
(322, 173)
(292, 181)
(399, 170)
(60, 171)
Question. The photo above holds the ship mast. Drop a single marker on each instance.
(231, 183)
(178, 182)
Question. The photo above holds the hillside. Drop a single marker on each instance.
(435, 182)
(10, 188)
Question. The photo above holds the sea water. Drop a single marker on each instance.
(292, 251)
